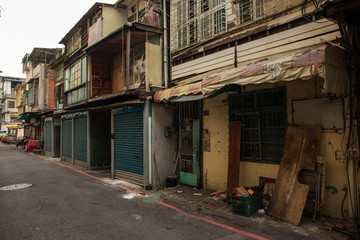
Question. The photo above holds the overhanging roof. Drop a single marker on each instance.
(115, 42)
(325, 62)
(88, 14)
(43, 55)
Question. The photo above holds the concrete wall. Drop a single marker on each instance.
(215, 162)
(163, 147)
(113, 18)
(39, 72)
(7, 87)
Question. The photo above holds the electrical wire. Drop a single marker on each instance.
(310, 16)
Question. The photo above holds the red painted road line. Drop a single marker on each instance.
(214, 223)
(254, 236)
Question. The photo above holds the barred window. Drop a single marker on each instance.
(196, 20)
(248, 10)
(263, 114)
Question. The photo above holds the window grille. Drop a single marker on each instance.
(11, 104)
(190, 110)
(248, 10)
(196, 20)
(263, 114)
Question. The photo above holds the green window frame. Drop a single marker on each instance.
(264, 119)
(74, 75)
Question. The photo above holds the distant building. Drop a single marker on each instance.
(9, 112)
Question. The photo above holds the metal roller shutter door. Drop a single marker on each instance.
(67, 138)
(48, 136)
(80, 138)
(128, 143)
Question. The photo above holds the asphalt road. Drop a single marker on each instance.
(64, 204)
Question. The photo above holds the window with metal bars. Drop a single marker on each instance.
(248, 10)
(263, 115)
(196, 20)
(190, 110)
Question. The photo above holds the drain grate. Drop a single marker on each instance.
(16, 186)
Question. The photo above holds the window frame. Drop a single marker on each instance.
(263, 114)
(12, 103)
(74, 42)
(255, 10)
(197, 20)
(73, 76)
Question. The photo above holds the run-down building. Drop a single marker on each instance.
(36, 100)
(242, 72)
(9, 113)
(112, 65)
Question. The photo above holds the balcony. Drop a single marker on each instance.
(126, 60)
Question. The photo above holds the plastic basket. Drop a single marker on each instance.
(246, 206)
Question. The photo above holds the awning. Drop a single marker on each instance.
(186, 98)
(13, 127)
(30, 80)
(325, 62)
(25, 116)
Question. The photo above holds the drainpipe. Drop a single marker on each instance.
(166, 75)
(150, 138)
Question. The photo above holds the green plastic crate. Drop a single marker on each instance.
(246, 206)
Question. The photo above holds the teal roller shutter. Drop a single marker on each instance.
(128, 139)
(67, 138)
(48, 136)
(80, 138)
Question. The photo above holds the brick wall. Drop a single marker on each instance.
(51, 89)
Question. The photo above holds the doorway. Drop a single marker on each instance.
(189, 143)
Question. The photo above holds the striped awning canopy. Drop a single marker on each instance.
(326, 61)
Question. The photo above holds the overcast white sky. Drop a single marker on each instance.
(26, 24)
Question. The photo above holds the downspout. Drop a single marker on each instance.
(150, 138)
(166, 75)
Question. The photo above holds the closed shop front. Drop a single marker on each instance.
(128, 143)
(48, 137)
(66, 138)
(80, 139)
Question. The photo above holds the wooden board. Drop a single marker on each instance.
(234, 156)
(300, 152)
(286, 37)
(213, 61)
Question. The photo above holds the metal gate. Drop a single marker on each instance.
(128, 143)
(48, 136)
(190, 152)
(80, 139)
(66, 139)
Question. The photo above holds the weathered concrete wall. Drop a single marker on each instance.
(42, 87)
(113, 18)
(215, 162)
(163, 147)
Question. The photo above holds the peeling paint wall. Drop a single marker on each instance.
(215, 162)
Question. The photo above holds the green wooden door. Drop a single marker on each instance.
(189, 150)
